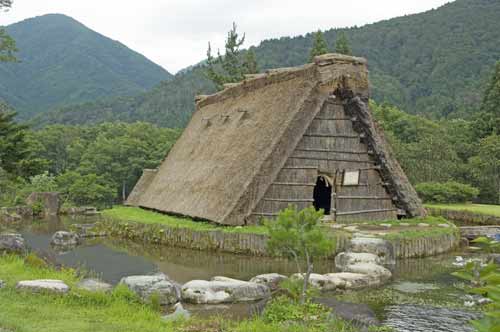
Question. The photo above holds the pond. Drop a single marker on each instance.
(421, 297)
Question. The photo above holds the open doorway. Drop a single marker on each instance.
(322, 195)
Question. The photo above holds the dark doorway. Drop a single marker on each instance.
(322, 195)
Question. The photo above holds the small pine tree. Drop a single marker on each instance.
(298, 235)
(319, 45)
(230, 67)
(342, 44)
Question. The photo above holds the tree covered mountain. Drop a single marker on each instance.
(433, 63)
(63, 62)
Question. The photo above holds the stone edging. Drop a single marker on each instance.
(254, 244)
(464, 217)
(425, 246)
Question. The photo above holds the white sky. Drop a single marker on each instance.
(175, 33)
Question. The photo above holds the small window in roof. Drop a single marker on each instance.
(351, 178)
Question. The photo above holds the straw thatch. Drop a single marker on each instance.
(255, 147)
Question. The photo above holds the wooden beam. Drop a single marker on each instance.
(334, 159)
(294, 184)
(363, 212)
(334, 151)
(287, 200)
(365, 197)
(331, 135)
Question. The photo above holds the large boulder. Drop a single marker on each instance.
(94, 285)
(12, 243)
(223, 290)
(147, 285)
(43, 285)
(373, 270)
(343, 259)
(51, 202)
(271, 280)
(380, 247)
(65, 239)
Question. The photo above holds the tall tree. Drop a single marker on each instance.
(486, 168)
(491, 99)
(7, 44)
(230, 68)
(342, 44)
(319, 45)
(487, 121)
(13, 145)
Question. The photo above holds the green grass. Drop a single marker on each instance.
(77, 311)
(121, 311)
(139, 215)
(492, 210)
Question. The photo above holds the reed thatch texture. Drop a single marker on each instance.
(140, 187)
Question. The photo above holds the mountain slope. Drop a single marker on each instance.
(64, 62)
(432, 63)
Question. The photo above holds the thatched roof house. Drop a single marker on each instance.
(302, 136)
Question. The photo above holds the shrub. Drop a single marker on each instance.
(446, 192)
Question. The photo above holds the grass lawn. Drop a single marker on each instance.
(413, 230)
(77, 311)
(139, 215)
(492, 210)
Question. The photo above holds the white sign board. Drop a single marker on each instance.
(351, 178)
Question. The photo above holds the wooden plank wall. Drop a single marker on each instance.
(330, 144)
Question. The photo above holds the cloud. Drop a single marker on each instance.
(175, 33)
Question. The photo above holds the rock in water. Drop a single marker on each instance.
(43, 285)
(321, 282)
(271, 280)
(343, 259)
(94, 285)
(147, 285)
(65, 239)
(370, 269)
(380, 247)
(12, 243)
(51, 202)
(179, 313)
(223, 290)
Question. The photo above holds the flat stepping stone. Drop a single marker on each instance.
(94, 285)
(43, 285)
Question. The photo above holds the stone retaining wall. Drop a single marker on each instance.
(472, 232)
(425, 246)
(463, 217)
(254, 244)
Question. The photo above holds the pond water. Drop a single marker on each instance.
(407, 304)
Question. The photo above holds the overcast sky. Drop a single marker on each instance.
(175, 33)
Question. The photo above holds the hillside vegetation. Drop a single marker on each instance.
(63, 62)
(433, 64)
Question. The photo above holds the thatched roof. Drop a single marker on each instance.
(239, 139)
